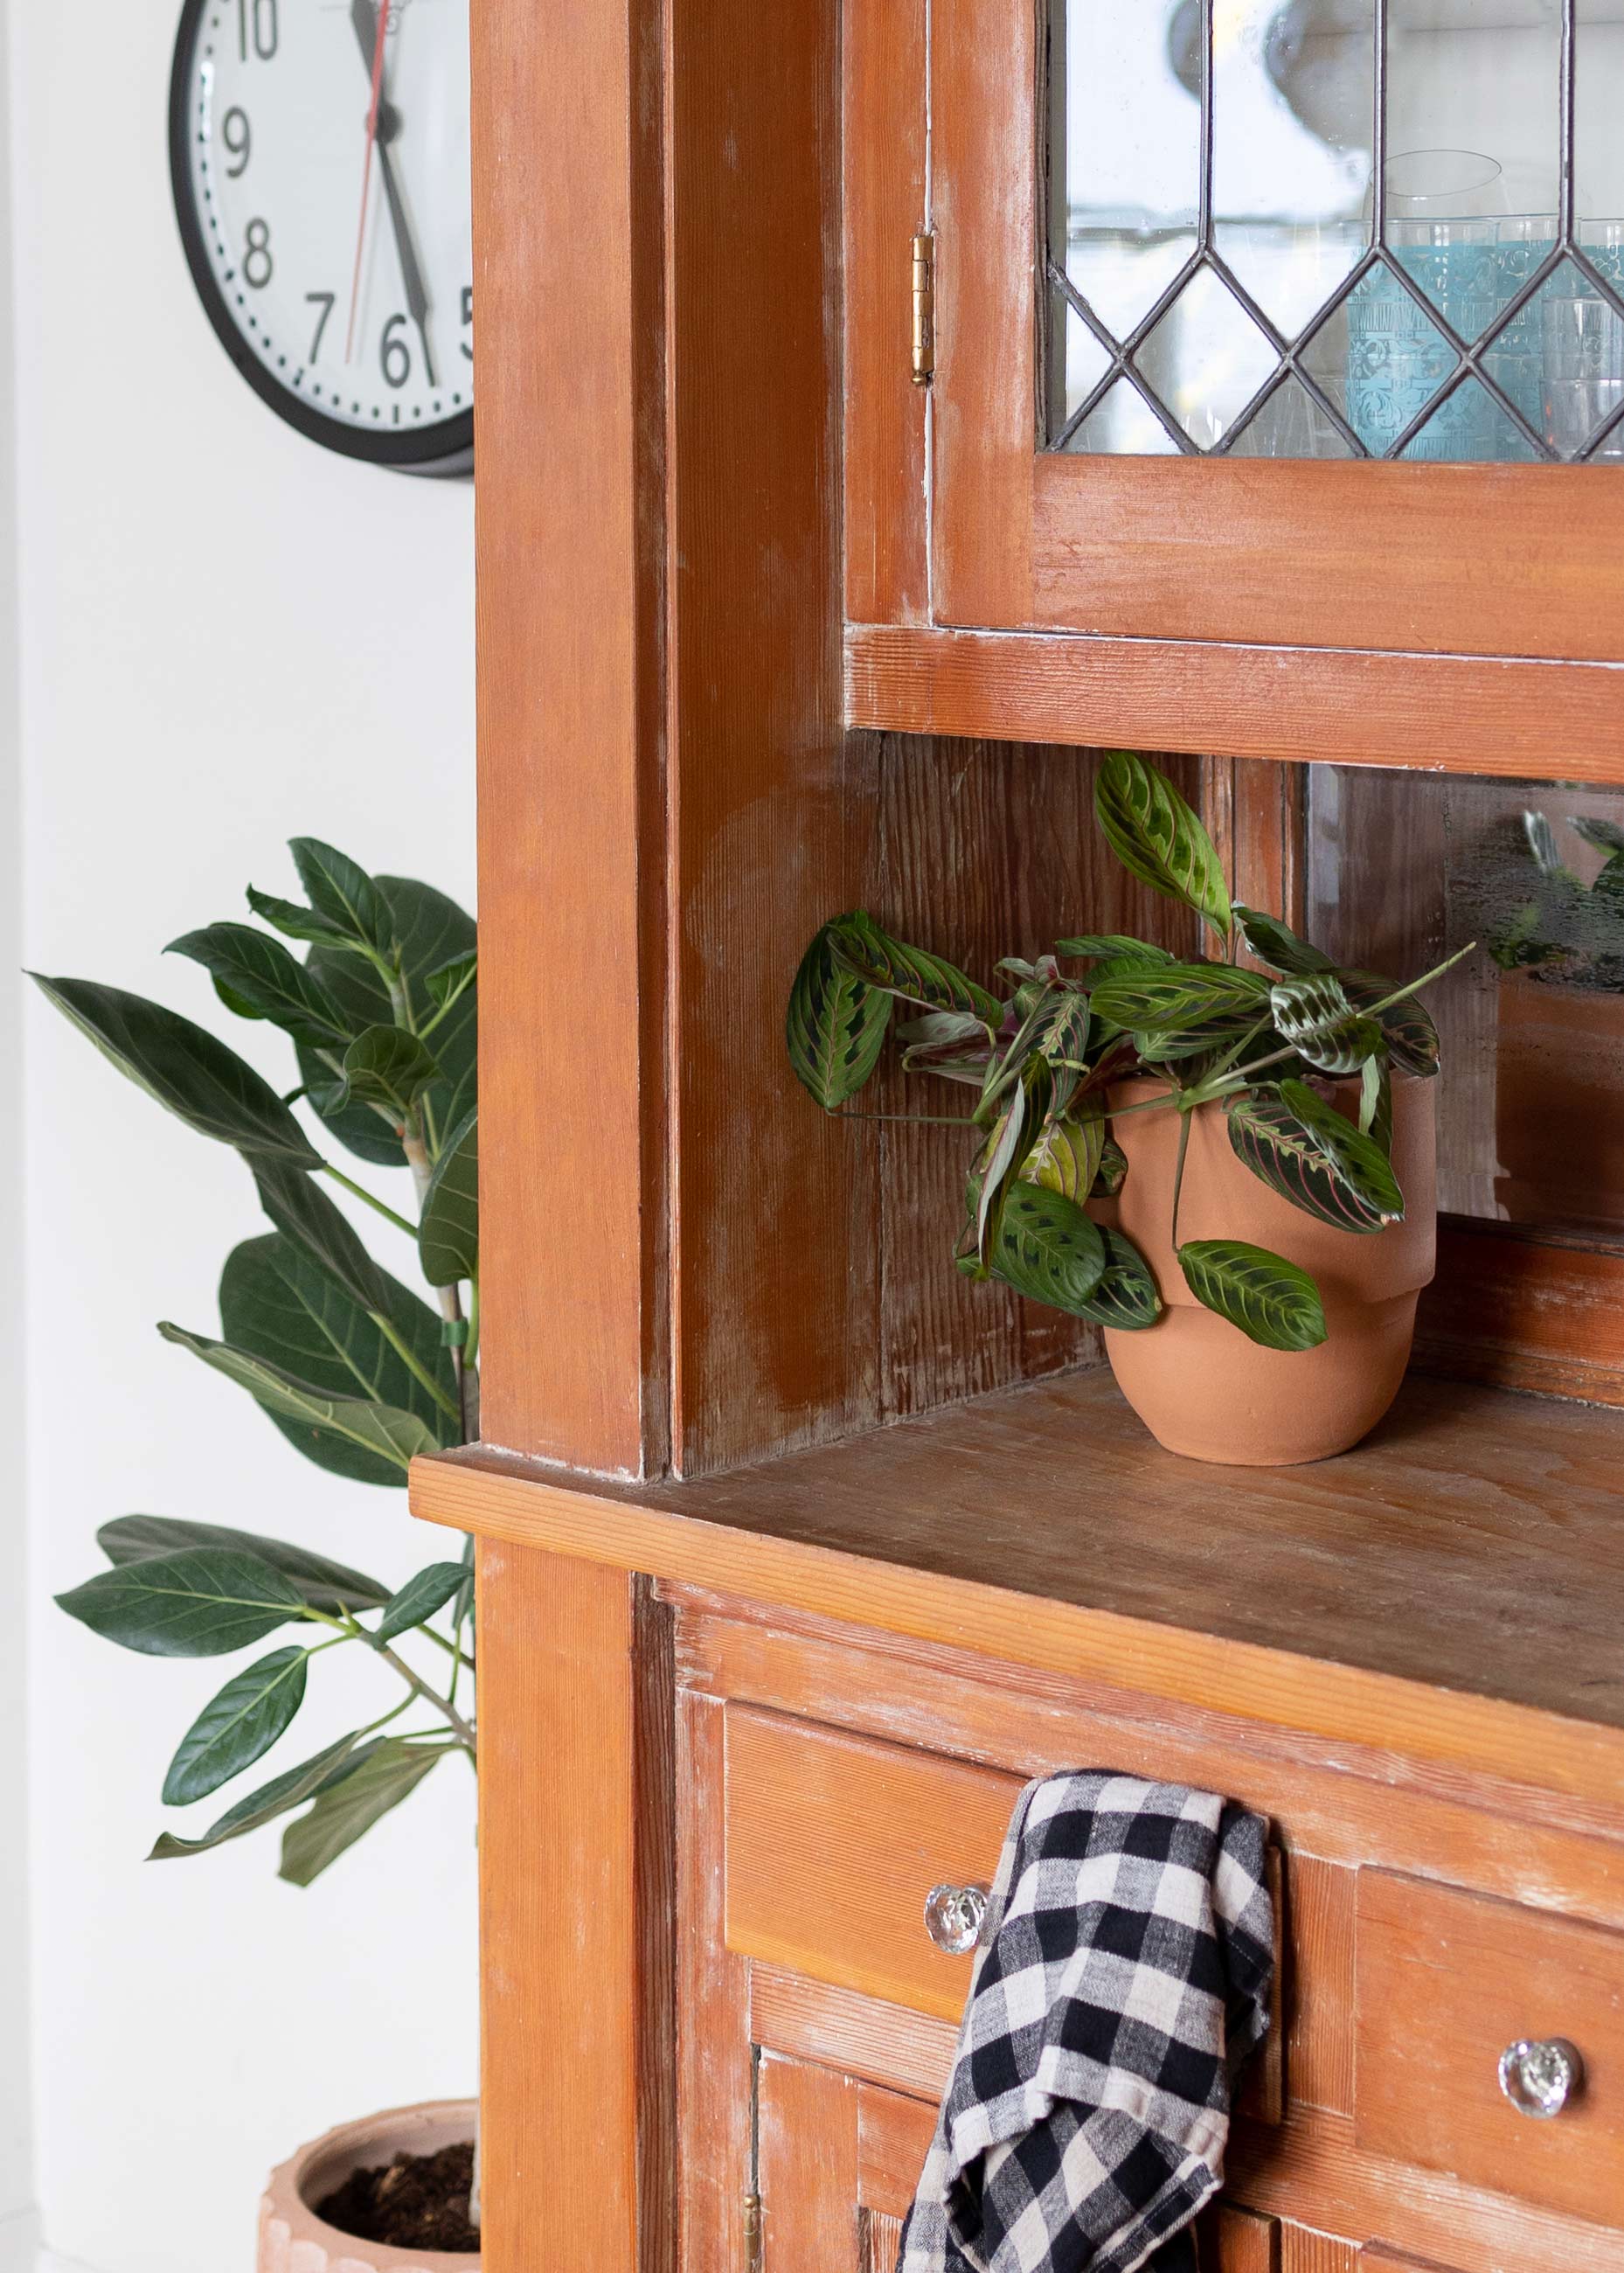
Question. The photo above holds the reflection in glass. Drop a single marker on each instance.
(1531, 1105)
(1420, 324)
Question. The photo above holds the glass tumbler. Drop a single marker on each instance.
(1582, 344)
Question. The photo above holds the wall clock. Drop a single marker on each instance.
(320, 155)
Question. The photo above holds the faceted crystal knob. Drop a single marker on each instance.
(1539, 2078)
(953, 1917)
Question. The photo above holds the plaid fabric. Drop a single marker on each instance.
(1123, 1976)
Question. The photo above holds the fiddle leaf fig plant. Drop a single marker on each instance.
(1046, 1053)
(356, 1370)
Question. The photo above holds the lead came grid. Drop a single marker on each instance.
(1473, 357)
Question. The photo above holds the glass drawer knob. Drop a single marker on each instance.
(1540, 2078)
(953, 1917)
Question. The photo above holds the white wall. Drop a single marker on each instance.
(16, 2171)
(228, 636)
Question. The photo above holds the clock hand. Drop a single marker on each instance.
(362, 16)
(416, 297)
(381, 33)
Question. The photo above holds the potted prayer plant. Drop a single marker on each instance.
(1228, 1169)
(1558, 1057)
(361, 1374)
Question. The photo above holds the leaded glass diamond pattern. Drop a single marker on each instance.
(1482, 335)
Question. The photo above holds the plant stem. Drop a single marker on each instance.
(418, 1372)
(361, 1193)
(420, 1688)
(1184, 1146)
(920, 1120)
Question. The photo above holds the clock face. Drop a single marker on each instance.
(320, 150)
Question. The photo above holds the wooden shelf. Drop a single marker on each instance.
(1456, 1584)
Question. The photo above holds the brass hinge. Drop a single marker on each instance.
(924, 309)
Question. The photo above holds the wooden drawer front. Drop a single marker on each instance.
(1445, 1981)
(833, 1842)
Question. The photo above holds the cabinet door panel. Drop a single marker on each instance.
(808, 2170)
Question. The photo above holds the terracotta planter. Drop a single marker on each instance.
(292, 2237)
(1559, 1065)
(1196, 1381)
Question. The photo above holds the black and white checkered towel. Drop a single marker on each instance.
(1123, 1976)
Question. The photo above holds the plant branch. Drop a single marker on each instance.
(419, 1687)
(920, 1120)
(1184, 1146)
(361, 1193)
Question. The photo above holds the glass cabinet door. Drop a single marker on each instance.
(1338, 229)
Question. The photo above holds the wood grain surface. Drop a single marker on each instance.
(1518, 718)
(569, 435)
(1451, 1588)
(1446, 1980)
(563, 1757)
(808, 2170)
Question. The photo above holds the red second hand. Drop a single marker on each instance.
(366, 178)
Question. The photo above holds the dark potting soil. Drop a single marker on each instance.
(417, 2202)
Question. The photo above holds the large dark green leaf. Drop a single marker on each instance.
(1274, 1302)
(1127, 1296)
(1312, 1013)
(1407, 1027)
(257, 978)
(348, 1808)
(1114, 947)
(200, 1602)
(303, 1213)
(1157, 838)
(238, 1727)
(1362, 1164)
(294, 921)
(393, 1436)
(185, 1068)
(1276, 943)
(446, 983)
(448, 1232)
(867, 953)
(1284, 1152)
(288, 1790)
(835, 1024)
(324, 1585)
(1173, 998)
(418, 1599)
(433, 931)
(277, 1305)
(342, 892)
(385, 1067)
(1047, 1249)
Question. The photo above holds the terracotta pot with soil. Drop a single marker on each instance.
(401, 2178)
(1201, 1387)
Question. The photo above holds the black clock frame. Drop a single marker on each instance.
(444, 448)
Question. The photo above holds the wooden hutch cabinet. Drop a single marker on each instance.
(797, 1553)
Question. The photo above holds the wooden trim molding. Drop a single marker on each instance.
(897, 1532)
(1457, 713)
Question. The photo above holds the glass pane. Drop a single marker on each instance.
(1085, 362)
(1402, 870)
(1128, 157)
(1214, 287)
(1123, 426)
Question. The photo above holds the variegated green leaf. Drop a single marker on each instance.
(1358, 1159)
(1066, 1157)
(1312, 1013)
(1284, 1153)
(1047, 1249)
(1276, 943)
(1114, 947)
(1172, 998)
(872, 954)
(1274, 1302)
(1376, 1102)
(1013, 1136)
(1126, 1297)
(1112, 1171)
(836, 1026)
(1157, 837)
(1407, 1027)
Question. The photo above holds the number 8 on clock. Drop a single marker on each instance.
(319, 157)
